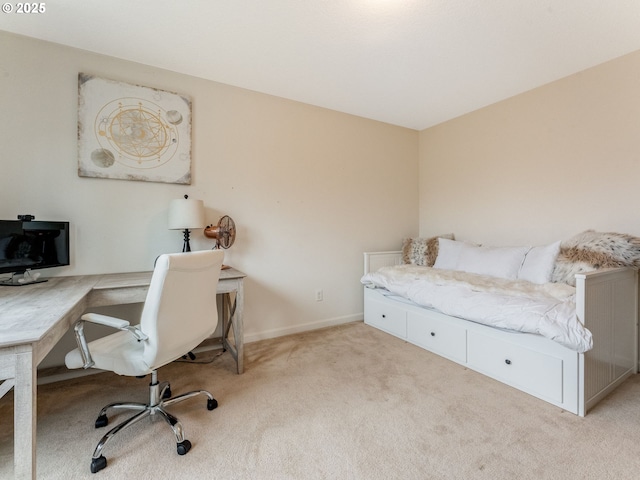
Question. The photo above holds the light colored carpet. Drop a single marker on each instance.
(346, 402)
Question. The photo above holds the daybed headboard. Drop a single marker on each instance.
(376, 260)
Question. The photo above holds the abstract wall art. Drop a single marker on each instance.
(131, 132)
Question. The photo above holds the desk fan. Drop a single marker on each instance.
(224, 233)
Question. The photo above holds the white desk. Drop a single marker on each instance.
(33, 318)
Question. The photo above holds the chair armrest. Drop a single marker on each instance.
(114, 322)
(106, 320)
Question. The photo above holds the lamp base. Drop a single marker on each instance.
(186, 247)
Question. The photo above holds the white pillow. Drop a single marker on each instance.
(539, 263)
(503, 262)
(448, 253)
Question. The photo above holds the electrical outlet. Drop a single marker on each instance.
(319, 295)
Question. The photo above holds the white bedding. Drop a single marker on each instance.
(545, 309)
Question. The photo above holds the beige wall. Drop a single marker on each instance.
(541, 166)
(309, 188)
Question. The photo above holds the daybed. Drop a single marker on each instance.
(558, 322)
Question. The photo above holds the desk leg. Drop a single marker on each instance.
(232, 317)
(238, 326)
(24, 417)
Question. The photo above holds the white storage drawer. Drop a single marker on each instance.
(438, 336)
(528, 370)
(390, 318)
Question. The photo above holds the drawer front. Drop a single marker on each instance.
(438, 336)
(390, 318)
(537, 373)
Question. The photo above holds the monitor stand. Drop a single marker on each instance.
(27, 278)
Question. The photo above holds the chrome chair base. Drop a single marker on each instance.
(159, 397)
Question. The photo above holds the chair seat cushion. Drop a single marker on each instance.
(119, 352)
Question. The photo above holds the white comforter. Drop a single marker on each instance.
(548, 309)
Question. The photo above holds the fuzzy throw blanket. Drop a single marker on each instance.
(591, 250)
(403, 274)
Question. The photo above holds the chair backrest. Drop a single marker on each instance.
(180, 310)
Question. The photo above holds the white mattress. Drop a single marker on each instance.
(548, 309)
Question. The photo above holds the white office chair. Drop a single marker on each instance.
(179, 313)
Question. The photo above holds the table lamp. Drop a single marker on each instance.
(185, 214)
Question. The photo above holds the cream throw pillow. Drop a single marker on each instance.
(421, 251)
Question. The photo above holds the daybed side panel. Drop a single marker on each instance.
(607, 305)
(375, 260)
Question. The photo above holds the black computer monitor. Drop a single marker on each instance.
(31, 245)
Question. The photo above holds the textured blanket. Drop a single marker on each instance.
(547, 309)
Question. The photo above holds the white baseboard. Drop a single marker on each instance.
(307, 327)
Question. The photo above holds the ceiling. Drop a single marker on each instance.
(412, 63)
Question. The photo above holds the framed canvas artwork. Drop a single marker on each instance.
(131, 132)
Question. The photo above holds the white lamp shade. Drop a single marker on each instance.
(185, 213)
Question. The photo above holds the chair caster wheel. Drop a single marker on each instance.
(212, 404)
(184, 447)
(102, 421)
(98, 464)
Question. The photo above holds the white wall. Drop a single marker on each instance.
(310, 189)
(541, 166)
